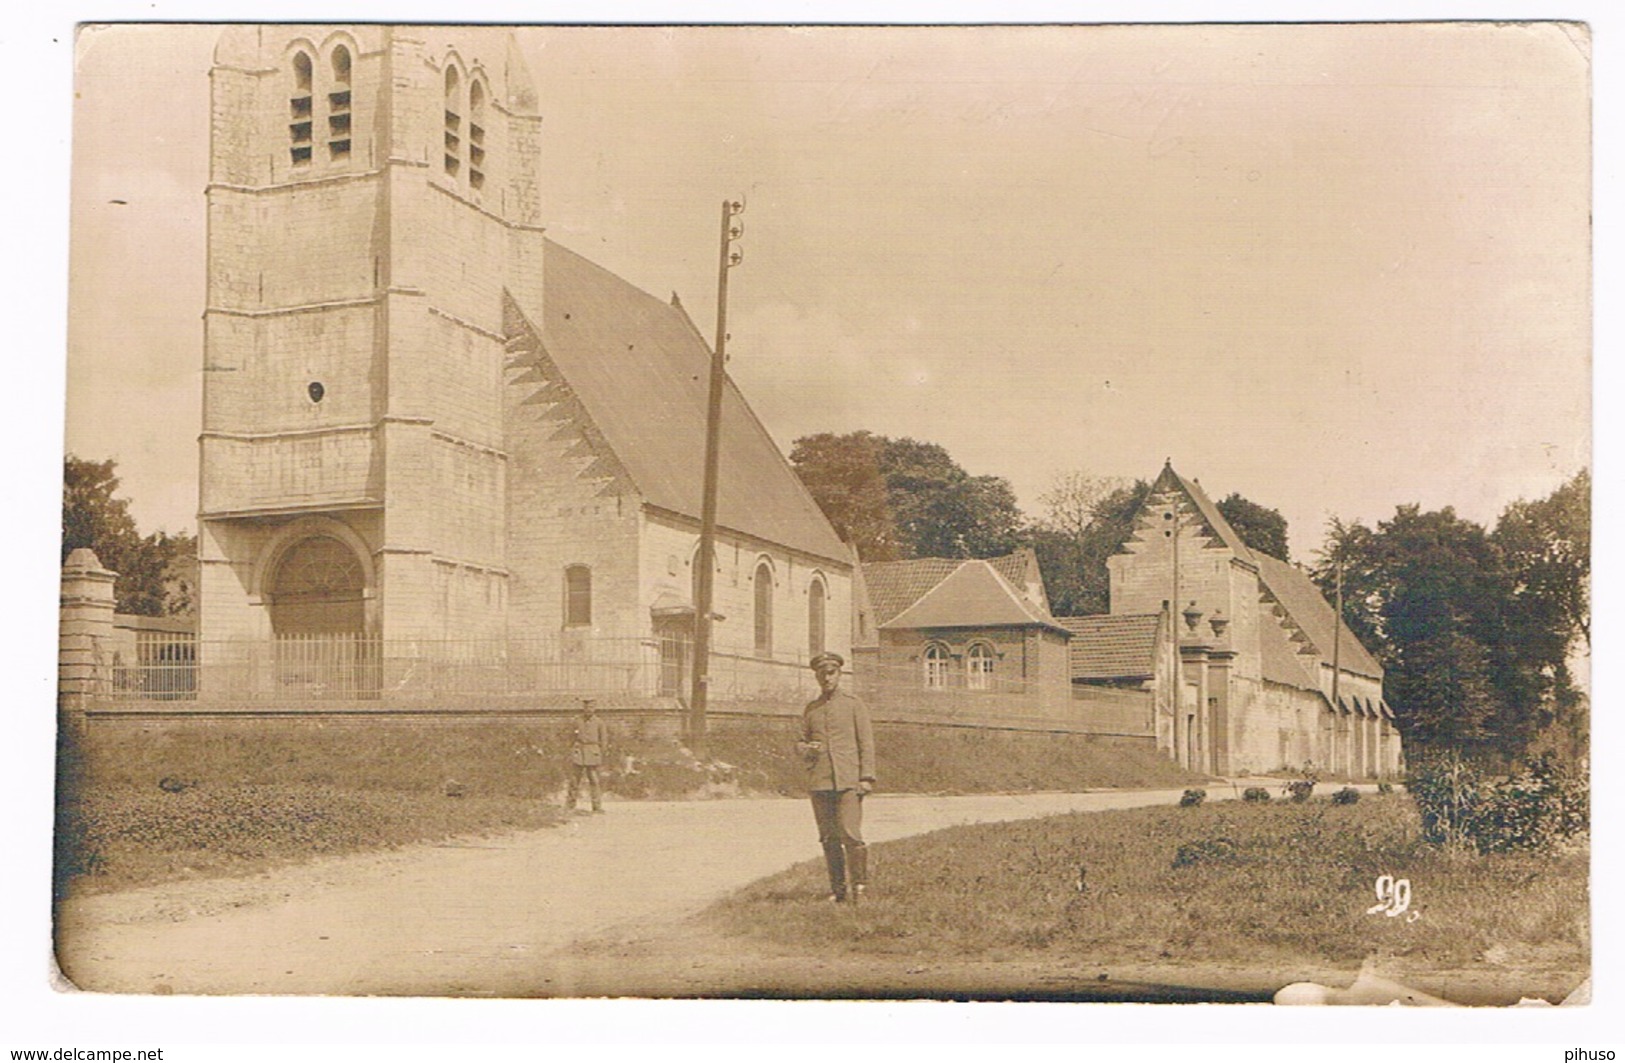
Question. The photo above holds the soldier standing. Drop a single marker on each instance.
(838, 749)
(587, 753)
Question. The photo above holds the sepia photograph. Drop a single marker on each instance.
(1054, 513)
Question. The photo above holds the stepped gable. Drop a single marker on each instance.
(973, 595)
(640, 370)
(1213, 521)
(1113, 646)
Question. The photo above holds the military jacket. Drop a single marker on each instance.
(845, 754)
(590, 739)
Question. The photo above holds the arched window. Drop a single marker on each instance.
(764, 610)
(476, 134)
(815, 618)
(454, 122)
(936, 666)
(979, 666)
(578, 596)
(299, 110)
(338, 106)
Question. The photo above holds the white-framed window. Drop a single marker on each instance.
(937, 661)
(979, 666)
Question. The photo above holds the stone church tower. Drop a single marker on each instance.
(373, 192)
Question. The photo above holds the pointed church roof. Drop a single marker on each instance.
(974, 594)
(641, 372)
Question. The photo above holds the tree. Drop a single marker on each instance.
(1261, 529)
(1473, 658)
(1547, 544)
(152, 570)
(1074, 563)
(1072, 500)
(842, 473)
(901, 498)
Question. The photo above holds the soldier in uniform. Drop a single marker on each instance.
(587, 753)
(838, 749)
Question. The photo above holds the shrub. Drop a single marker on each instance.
(1534, 809)
(1192, 797)
(1255, 793)
(1300, 788)
(1348, 795)
(1385, 787)
(1206, 851)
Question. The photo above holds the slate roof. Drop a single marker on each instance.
(1113, 646)
(1309, 609)
(1280, 661)
(641, 370)
(974, 594)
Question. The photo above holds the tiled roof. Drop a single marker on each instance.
(1307, 608)
(895, 585)
(640, 370)
(973, 595)
(1113, 646)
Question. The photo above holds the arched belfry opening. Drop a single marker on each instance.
(318, 588)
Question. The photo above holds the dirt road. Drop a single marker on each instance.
(478, 917)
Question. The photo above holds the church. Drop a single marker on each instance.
(432, 433)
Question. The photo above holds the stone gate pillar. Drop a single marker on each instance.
(85, 637)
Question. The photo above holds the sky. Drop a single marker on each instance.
(1335, 268)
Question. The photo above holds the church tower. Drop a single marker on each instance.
(373, 192)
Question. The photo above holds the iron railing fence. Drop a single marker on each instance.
(353, 667)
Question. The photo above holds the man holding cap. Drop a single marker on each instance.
(587, 753)
(838, 749)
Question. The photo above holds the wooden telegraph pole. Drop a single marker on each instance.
(729, 257)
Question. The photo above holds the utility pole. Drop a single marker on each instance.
(1337, 641)
(1177, 680)
(728, 258)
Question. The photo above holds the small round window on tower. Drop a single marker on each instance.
(316, 391)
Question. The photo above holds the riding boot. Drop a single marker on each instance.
(835, 860)
(857, 864)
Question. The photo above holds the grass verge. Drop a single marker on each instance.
(1232, 883)
(124, 837)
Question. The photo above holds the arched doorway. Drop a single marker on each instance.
(318, 589)
(317, 600)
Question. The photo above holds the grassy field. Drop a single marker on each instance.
(169, 800)
(1228, 883)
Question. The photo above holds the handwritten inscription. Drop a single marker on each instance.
(1394, 899)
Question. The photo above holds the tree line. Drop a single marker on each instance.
(156, 572)
(1475, 627)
